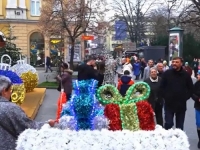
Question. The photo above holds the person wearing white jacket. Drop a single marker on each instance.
(127, 66)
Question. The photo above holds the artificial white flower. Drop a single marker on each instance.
(52, 139)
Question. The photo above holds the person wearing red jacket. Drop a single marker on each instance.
(124, 83)
(187, 68)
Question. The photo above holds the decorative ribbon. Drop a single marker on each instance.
(130, 118)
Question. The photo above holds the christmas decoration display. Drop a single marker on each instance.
(27, 73)
(83, 111)
(18, 89)
(51, 139)
(131, 112)
(109, 74)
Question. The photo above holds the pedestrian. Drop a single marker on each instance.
(196, 98)
(155, 98)
(147, 69)
(136, 69)
(187, 68)
(65, 80)
(48, 64)
(176, 88)
(86, 71)
(126, 66)
(13, 119)
(195, 67)
(165, 66)
(142, 66)
(160, 69)
(125, 82)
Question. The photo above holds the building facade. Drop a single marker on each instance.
(19, 18)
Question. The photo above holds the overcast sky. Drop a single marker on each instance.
(159, 3)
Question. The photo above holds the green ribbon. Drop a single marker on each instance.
(128, 109)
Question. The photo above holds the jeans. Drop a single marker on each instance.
(158, 113)
(48, 67)
(169, 119)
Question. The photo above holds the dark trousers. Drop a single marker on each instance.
(48, 67)
(169, 119)
(68, 96)
(195, 72)
(137, 77)
(142, 73)
(158, 113)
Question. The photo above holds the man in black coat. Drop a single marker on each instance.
(86, 71)
(176, 88)
(160, 69)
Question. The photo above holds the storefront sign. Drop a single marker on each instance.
(87, 38)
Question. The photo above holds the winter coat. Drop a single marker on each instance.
(136, 69)
(86, 72)
(176, 88)
(13, 122)
(165, 68)
(160, 74)
(66, 81)
(146, 72)
(124, 83)
(48, 61)
(155, 92)
(188, 70)
(127, 66)
(196, 95)
(143, 65)
(195, 64)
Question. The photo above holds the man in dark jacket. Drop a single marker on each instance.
(143, 65)
(86, 71)
(176, 88)
(160, 69)
(48, 64)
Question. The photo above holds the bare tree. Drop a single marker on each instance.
(72, 17)
(133, 14)
(158, 21)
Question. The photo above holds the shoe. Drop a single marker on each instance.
(198, 145)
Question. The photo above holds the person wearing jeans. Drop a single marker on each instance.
(176, 88)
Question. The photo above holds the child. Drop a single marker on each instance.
(124, 83)
(196, 98)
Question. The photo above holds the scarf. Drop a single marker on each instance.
(154, 80)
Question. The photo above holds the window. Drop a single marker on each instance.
(37, 57)
(35, 7)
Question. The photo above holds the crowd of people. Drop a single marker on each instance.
(171, 87)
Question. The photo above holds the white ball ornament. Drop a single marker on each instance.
(27, 73)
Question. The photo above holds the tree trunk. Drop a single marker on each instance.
(72, 55)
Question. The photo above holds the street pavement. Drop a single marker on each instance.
(49, 106)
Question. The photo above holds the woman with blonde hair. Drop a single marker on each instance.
(165, 67)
